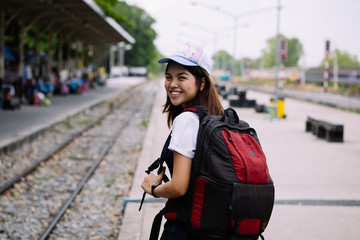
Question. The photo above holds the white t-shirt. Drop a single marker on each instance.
(184, 133)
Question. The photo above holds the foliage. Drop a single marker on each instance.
(138, 24)
(143, 52)
(256, 63)
(108, 6)
(154, 67)
(222, 60)
(245, 63)
(344, 59)
(294, 51)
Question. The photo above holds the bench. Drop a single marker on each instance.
(332, 132)
(259, 108)
(221, 89)
(237, 98)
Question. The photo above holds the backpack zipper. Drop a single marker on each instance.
(230, 139)
(220, 127)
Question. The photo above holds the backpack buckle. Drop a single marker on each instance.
(153, 166)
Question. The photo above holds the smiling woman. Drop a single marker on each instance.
(187, 84)
(195, 64)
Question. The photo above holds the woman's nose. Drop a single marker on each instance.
(173, 83)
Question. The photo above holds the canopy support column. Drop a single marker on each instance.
(60, 57)
(37, 54)
(21, 49)
(2, 39)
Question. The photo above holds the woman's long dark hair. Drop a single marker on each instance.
(207, 97)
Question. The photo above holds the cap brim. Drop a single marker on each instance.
(178, 59)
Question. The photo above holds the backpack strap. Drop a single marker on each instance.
(203, 112)
(155, 228)
(158, 163)
(231, 114)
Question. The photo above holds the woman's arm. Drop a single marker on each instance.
(179, 182)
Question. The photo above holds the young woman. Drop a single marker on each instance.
(187, 84)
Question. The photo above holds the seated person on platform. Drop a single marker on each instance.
(75, 85)
(44, 86)
(8, 91)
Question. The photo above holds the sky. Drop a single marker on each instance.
(311, 21)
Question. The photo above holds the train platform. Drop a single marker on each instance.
(317, 183)
(20, 125)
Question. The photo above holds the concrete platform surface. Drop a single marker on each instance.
(19, 124)
(314, 180)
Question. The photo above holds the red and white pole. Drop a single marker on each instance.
(326, 65)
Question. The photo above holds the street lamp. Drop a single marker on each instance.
(235, 17)
(213, 32)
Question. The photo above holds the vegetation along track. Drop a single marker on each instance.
(37, 206)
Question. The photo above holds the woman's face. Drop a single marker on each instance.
(180, 85)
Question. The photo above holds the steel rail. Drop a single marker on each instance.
(10, 183)
(86, 177)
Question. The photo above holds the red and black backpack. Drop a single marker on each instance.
(231, 194)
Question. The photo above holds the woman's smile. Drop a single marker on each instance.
(174, 93)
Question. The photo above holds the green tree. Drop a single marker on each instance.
(294, 51)
(344, 59)
(154, 67)
(256, 63)
(139, 25)
(143, 51)
(245, 63)
(108, 7)
(222, 60)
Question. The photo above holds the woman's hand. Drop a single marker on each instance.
(179, 182)
(151, 179)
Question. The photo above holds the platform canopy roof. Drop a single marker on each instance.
(70, 19)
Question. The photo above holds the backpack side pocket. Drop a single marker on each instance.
(210, 200)
(252, 205)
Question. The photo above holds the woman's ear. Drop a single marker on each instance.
(202, 84)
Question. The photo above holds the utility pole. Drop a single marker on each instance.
(336, 71)
(277, 59)
(235, 17)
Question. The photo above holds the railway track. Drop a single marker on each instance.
(39, 202)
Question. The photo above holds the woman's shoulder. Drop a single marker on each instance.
(187, 116)
(186, 119)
